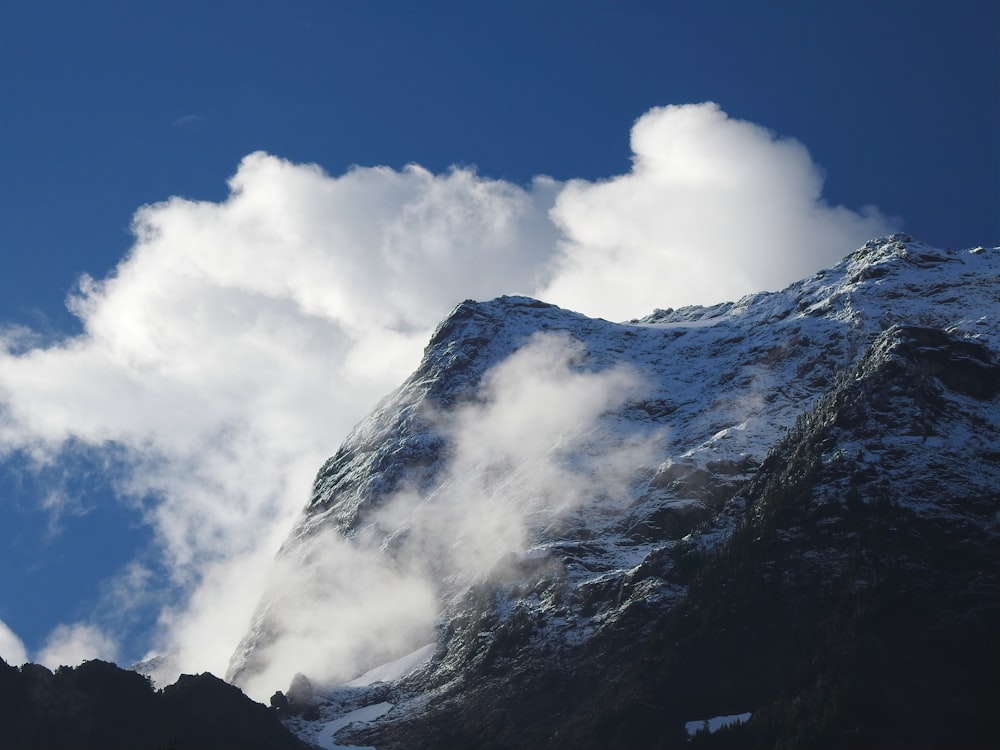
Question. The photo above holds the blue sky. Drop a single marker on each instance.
(110, 106)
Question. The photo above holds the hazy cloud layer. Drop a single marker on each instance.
(234, 347)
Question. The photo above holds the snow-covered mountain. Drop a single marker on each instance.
(499, 554)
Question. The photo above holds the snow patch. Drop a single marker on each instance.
(361, 716)
(397, 669)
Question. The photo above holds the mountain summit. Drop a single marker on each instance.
(567, 532)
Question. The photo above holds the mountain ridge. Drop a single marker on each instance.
(99, 705)
(696, 398)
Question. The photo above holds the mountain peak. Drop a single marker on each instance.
(544, 480)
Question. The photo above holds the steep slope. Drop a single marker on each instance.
(857, 603)
(605, 489)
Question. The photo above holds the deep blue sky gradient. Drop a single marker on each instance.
(106, 106)
(899, 102)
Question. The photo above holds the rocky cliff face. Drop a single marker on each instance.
(614, 515)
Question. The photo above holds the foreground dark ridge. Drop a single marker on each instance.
(98, 706)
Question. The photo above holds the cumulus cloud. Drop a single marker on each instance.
(232, 349)
(12, 648)
(69, 645)
(712, 209)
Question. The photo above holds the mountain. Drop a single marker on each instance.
(856, 603)
(567, 532)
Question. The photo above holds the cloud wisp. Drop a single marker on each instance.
(537, 444)
(71, 644)
(12, 648)
(229, 353)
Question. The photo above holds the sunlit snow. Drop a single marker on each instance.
(325, 738)
(397, 669)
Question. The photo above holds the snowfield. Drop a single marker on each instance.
(325, 737)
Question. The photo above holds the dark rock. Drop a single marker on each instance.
(98, 705)
(301, 693)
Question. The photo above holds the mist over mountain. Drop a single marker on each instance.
(773, 522)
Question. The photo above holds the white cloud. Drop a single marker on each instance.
(335, 609)
(228, 355)
(234, 347)
(12, 648)
(713, 208)
(69, 645)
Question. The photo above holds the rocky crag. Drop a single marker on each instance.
(787, 506)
